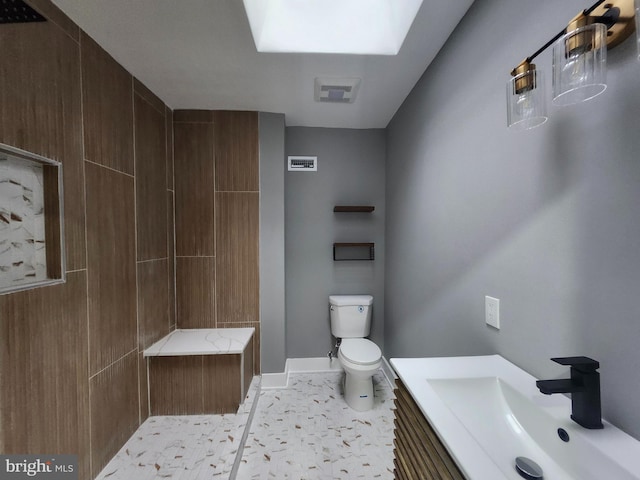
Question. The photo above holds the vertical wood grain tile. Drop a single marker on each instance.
(195, 292)
(43, 366)
(151, 98)
(41, 111)
(171, 247)
(151, 180)
(194, 189)
(193, 116)
(221, 383)
(169, 136)
(55, 15)
(143, 388)
(111, 265)
(237, 157)
(237, 230)
(53, 220)
(107, 91)
(153, 301)
(176, 385)
(114, 409)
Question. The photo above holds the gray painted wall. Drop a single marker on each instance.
(350, 172)
(546, 220)
(272, 307)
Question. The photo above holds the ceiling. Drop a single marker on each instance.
(199, 54)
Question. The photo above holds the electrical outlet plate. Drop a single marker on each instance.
(492, 312)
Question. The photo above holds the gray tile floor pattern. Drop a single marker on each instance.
(304, 431)
(307, 431)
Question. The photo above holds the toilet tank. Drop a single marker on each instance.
(350, 315)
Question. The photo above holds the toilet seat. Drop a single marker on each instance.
(360, 351)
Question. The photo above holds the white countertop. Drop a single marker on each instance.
(202, 341)
(469, 455)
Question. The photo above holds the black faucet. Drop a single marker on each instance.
(584, 387)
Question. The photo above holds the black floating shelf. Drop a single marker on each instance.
(354, 208)
(353, 251)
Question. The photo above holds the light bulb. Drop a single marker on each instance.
(524, 105)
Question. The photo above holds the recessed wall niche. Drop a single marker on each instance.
(31, 225)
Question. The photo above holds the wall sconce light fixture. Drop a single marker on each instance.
(526, 105)
(579, 62)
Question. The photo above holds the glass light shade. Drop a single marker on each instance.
(580, 65)
(526, 103)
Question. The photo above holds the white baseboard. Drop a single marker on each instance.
(314, 365)
(299, 365)
(274, 380)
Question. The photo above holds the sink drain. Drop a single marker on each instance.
(528, 469)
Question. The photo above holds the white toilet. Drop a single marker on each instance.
(360, 357)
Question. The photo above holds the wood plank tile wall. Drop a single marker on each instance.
(201, 384)
(111, 260)
(217, 203)
(71, 370)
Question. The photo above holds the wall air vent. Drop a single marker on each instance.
(336, 90)
(16, 11)
(302, 164)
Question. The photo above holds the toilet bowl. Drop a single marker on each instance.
(360, 358)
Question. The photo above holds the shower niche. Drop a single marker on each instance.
(31, 225)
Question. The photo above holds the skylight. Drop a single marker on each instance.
(364, 27)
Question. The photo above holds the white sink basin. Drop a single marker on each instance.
(487, 412)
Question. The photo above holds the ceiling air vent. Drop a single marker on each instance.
(336, 90)
(303, 164)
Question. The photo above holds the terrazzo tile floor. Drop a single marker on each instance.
(307, 431)
(183, 447)
(303, 431)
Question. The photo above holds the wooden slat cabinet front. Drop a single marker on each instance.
(419, 453)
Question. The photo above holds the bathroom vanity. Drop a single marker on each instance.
(472, 417)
